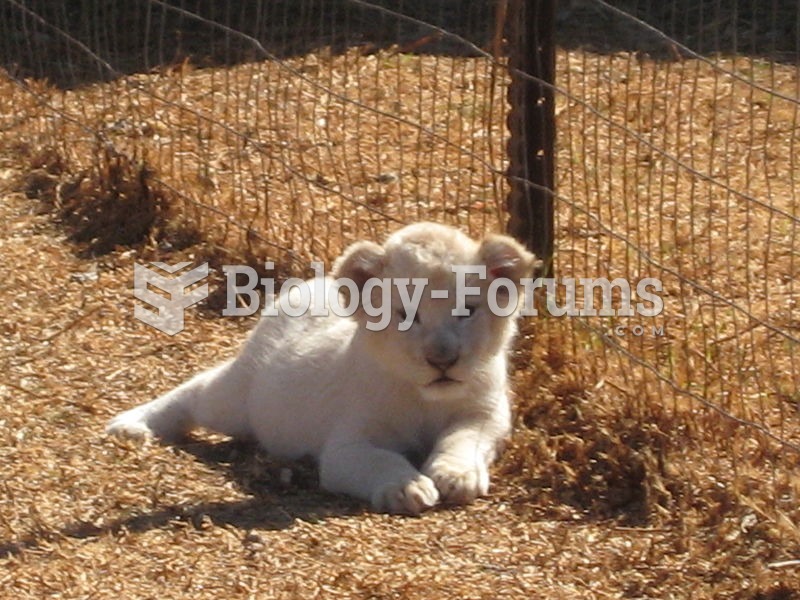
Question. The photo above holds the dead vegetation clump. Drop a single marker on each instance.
(113, 204)
(602, 467)
(582, 452)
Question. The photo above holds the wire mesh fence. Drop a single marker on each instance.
(677, 131)
(285, 130)
(680, 166)
(323, 128)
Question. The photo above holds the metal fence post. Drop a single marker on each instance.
(531, 121)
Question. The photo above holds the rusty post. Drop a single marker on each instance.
(531, 121)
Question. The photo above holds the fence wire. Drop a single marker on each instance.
(284, 130)
(681, 166)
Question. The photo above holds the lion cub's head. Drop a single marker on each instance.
(431, 314)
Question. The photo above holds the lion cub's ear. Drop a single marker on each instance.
(506, 257)
(360, 262)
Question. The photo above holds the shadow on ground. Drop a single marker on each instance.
(281, 492)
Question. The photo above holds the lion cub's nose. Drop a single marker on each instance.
(442, 358)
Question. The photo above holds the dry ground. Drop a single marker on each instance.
(83, 515)
(611, 487)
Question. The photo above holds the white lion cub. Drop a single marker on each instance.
(366, 401)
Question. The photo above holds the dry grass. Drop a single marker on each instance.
(613, 486)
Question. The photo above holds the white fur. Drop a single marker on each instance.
(363, 402)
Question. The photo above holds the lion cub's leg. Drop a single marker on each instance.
(213, 399)
(459, 463)
(383, 477)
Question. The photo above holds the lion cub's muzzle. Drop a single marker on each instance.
(442, 352)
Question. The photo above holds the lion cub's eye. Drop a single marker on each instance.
(403, 315)
(471, 310)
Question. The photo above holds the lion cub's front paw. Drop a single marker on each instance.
(458, 481)
(406, 497)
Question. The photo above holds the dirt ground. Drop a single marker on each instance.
(83, 515)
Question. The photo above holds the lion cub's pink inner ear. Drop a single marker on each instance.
(503, 266)
(505, 257)
(361, 262)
